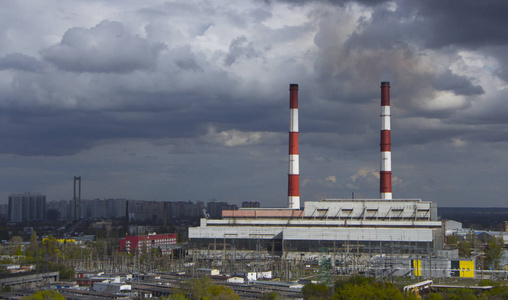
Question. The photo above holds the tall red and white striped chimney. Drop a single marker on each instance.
(385, 183)
(294, 169)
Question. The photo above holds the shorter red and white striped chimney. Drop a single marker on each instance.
(385, 182)
(294, 169)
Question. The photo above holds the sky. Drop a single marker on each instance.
(189, 100)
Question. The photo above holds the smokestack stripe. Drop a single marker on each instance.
(385, 175)
(294, 168)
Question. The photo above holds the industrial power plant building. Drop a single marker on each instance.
(385, 225)
(360, 225)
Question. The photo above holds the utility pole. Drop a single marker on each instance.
(214, 262)
(224, 253)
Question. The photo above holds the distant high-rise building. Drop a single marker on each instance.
(27, 207)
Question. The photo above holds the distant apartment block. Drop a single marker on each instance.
(27, 207)
(142, 243)
(91, 209)
(247, 204)
(4, 210)
(136, 210)
(184, 209)
(153, 212)
(215, 208)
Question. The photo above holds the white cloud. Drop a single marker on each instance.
(331, 178)
(444, 101)
(365, 173)
(233, 138)
(458, 142)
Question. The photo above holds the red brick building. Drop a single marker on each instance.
(165, 242)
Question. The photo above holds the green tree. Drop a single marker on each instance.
(357, 288)
(73, 251)
(313, 291)
(45, 295)
(175, 297)
(271, 296)
(451, 239)
(99, 247)
(494, 252)
(32, 252)
(50, 247)
(17, 242)
(435, 296)
(461, 294)
(66, 273)
(34, 245)
(466, 245)
(220, 292)
(497, 292)
(354, 280)
(18, 252)
(198, 288)
(464, 249)
(5, 289)
(204, 289)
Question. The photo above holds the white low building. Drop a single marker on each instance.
(264, 275)
(236, 280)
(209, 272)
(111, 287)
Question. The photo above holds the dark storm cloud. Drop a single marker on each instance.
(445, 25)
(58, 133)
(390, 46)
(18, 61)
(348, 75)
(409, 135)
(66, 122)
(460, 85)
(106, 47)
(336, 2)
(491, 116)
(347, 71)
(467, 24)
(186, 60)
(470, 23)
(188, 64)
(240, 47)
(259, 14)
(500, 53)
